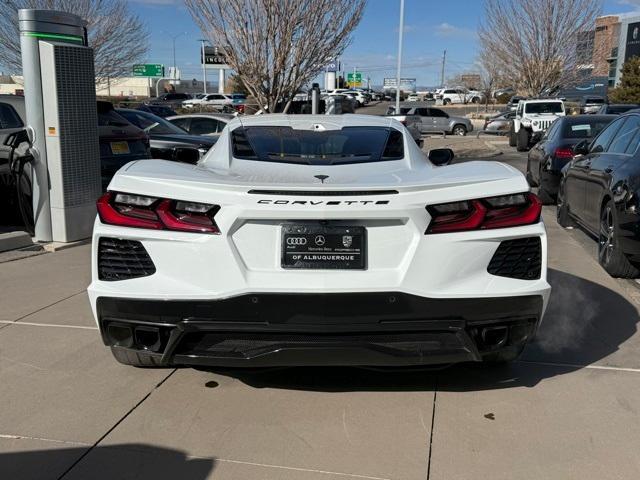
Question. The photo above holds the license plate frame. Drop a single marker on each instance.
(339, 248)
(120, 148)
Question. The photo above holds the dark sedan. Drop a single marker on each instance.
(600, 188)
(554, 150)
(616, 108)
(166, 139)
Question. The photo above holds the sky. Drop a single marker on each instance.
(431, 26)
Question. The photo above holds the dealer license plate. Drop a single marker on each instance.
(323, 247)
(119, 148)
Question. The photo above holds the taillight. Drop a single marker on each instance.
(565, 153)
(139, 211)
(486, 213)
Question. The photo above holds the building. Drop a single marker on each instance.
(616, 40)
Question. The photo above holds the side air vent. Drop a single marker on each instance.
(123, 259)
(323, 193)
(520, 258)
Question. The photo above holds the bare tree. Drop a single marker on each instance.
(277, 46)
(539, 44)
(118, 37)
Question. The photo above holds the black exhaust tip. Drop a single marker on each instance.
(494, 337)
(120, 335)
(148, 338)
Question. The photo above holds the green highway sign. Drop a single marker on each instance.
(354, 79)
(148, 70)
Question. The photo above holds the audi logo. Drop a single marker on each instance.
(296, 241)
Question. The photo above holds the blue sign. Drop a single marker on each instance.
(332, 67)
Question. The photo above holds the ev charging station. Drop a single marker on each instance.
(60, 102)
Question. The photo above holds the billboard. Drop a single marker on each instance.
(214, 56)
(406, 84)
(632, 48)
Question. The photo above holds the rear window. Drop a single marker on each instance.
(620, 108)
(551, 107)
(584, 129)
(329, 147)
(594, 100)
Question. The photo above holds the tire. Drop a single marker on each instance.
(528, 175)
(522, 140)
(446, 101)
(459, 130)
(563, 217)
(610, 254)
(135, 359)
(475, 100)
(512, 137)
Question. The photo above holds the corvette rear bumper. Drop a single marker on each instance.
(382, 328)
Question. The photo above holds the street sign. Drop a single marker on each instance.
(148, 70)
(354, 79)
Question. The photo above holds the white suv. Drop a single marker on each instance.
(533, 117)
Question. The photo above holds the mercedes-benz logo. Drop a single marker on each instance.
(320, 240)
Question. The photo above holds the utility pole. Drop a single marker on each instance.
(400, 35)
(444, 57)
(204, 67)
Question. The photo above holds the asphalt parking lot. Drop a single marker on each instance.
(567, 410)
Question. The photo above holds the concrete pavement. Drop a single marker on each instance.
(567, 410)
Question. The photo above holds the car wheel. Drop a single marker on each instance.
(610, 254)
(512, 137)
(446, 101)
(522, 140)
(459, 130)
(135, 359)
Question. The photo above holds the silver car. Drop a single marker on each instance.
(435, 120)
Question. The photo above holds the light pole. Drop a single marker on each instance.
(204, 66)
(173, 39)
(400, 34)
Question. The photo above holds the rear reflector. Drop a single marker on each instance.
(486, 213)
(139, 211)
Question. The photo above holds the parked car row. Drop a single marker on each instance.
(125, 135)
(588, 165)
(434, 120)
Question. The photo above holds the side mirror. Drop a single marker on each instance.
(186, 155)
(441, 156)
(581, 148)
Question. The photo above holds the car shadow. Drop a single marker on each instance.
(122, 462)
(585, 322)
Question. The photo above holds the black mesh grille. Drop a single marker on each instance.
(323, 193)
(520, 258)
(123, 259)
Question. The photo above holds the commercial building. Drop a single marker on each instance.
(616, 40)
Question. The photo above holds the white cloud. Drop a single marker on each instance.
(447, 30)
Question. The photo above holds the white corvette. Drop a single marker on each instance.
(317, 240)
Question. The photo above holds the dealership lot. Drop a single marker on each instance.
(567, 409)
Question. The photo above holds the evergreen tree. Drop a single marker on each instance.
(628, 91)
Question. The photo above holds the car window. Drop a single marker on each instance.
(623, 136)
(436, 112)
(602, 141)
(150, 123)
(551, 132)
(520, 107)
(329, 147)
(183, 122)
(9, 118)
(203, 126)
(545, 107)
(583, 129)
(423, 112)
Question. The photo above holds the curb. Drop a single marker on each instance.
(14, 240)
